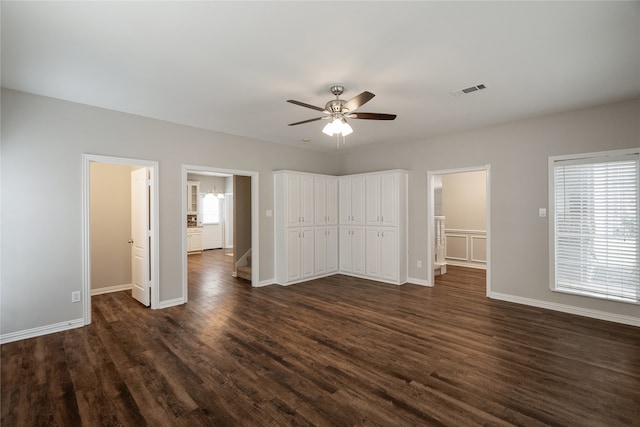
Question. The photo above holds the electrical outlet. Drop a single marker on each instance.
(75, 296)
(419, 264)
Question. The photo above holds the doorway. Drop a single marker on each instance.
(465, 245)
(242, 213)
(143, 261)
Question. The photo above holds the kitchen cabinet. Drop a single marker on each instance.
(351, 198)
(211, 236)
(194, 239)
(326, 250)
(326, 200)
(193, 189)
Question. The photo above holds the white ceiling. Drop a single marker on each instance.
(230, 66)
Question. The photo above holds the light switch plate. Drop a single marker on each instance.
(269, 213)
(542, 212)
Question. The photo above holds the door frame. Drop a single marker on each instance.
(255, 219)
(154, 257)
(431, 221)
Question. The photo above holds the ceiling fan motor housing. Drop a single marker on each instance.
(334, 106)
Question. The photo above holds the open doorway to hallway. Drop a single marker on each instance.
(120, 229)
(459, 218)
(220, 227)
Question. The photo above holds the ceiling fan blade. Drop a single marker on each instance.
(372, 116)
(357, 101)
(302, 104)
(306, 121)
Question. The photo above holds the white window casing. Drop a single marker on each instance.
(594, 243)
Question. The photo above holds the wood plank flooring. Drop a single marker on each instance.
(335, 351)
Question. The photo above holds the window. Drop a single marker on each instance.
(594, 225)
(210, 209)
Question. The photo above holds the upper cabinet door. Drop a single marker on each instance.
(193, 188)
(306, 200)
(321, 201)
(299, 200)
(357, 200)
(326, 196)
(332, 201)
(292, 200)
(373, 200)
(344, 197)
(389, 199)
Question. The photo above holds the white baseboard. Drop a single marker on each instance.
(595, 314)
(266, 283)
(420, 282)
(170, 303)
(109, 289)
(466, 264)
(41, 330)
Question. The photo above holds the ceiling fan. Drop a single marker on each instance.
(338, 111)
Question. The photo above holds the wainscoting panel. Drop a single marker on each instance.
(457, 247)
(467, 248)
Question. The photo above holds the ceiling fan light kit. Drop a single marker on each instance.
(338, 111)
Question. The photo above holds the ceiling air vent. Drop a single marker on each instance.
(468, 90)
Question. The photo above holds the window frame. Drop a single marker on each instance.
(586, 158)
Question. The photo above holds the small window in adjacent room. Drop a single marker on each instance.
(210, 209)
(594, 224)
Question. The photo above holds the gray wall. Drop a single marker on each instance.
(517, 153)
(209, 183)
(464, 198)
(43, 140)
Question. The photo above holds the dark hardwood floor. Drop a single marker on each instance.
(336, 351)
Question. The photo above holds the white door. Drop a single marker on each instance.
(345, 249)
(372, 213)
(358, 250)
(332, 201)
(294, 255)
(357, 200)
(321, 251)
(344, 202)
(292, 204)
(307, 248)
(306, 200)
(389, 199)
(389, 254)
(140, 236)
(321, 201)
(373, 252)
(332, 249)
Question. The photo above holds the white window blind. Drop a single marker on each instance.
(596, 250)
